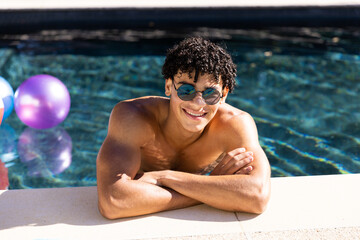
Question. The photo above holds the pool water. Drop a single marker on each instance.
(300, 84)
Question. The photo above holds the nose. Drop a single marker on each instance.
(199, 100)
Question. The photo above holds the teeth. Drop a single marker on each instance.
(195, 115)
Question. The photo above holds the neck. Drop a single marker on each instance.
(177, 136)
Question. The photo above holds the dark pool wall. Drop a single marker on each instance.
(23, 21)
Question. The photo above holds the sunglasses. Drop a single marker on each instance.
(187, 92)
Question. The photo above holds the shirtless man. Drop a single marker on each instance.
(159, 151)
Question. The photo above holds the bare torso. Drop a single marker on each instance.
(200, 157)
(159, 155)
(142, 138)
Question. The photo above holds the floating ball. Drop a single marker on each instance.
(1, 110)
(42, 101)
(7, 96)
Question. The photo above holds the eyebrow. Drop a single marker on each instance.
(182, 82)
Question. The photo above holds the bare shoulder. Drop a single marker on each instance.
(136, 119)
(237, 129)
(131, 125)
(231, 116)
(236, 126)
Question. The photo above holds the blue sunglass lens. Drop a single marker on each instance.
(209, 92)
(187, 92)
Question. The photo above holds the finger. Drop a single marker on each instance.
(223, 165)
(230, 155)
(238, 162)
(245, 170)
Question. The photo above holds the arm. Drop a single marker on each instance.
(118, 161)
(236, 192)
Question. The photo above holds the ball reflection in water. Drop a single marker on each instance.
(7, 143)
(45, 152)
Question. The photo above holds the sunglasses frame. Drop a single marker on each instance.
(181, 97)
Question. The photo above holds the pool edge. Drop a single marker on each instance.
(298, 204)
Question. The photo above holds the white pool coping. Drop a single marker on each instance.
(297, 203)
(86, 4)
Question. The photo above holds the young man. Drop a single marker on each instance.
(159, 151)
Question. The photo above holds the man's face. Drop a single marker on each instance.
(195, 114)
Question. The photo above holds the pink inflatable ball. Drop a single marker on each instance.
(42, 101)
(1, 110)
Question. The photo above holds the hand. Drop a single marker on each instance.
(234, 162)
(149, 177)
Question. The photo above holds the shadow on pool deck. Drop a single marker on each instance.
(77, 206)
(73, 211)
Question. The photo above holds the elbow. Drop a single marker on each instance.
(106, 210)
(260, 199)
(259, 204)
(112, 202)
(111, 208)
(256, 201)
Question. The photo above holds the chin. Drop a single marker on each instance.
(195, 126)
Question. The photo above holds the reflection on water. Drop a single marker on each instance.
(45, 152)
(7, 143)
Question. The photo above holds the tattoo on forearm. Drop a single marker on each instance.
(209, 168)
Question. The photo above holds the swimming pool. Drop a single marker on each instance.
(300, 84)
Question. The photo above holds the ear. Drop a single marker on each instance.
(168, 84)
(225, 94)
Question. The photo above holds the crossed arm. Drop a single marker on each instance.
(232, 186)
(122, 195)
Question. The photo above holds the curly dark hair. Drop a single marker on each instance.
(202, 56)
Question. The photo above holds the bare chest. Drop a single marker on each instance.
(199, 157)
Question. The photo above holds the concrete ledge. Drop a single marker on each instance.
(299, 204)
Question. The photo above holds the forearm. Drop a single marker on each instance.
(228, 192)
(129, 198)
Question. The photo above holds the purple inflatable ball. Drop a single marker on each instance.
(42, 102)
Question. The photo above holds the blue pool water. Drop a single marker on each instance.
(300, 84)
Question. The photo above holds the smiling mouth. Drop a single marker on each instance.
(194, 115)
